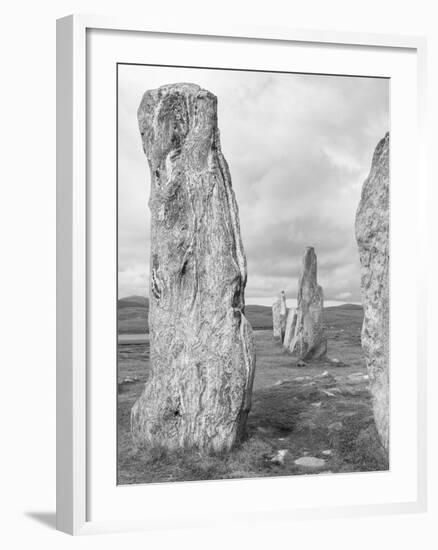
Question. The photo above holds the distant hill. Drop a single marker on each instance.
(133, 314)
(349, 307)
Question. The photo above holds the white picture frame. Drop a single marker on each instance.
(74, 398)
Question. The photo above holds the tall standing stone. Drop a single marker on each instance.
(279, 315)
(201, 345)
(309, 341)
(372, 234)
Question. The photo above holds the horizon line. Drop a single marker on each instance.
(253, 303)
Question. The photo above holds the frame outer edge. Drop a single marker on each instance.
(72, 515)
(70, 277)
(423, 229)
(247, 31)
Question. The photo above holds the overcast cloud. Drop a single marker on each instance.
(298, 147)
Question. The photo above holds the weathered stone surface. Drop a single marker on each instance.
(201, 345)
(291, 322)
(310, 462)
(279, 315)
(309, 341)
(372, 234)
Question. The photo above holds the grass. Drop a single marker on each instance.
(308, 411)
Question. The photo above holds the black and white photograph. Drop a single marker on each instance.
(253, 274)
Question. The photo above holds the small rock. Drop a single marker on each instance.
(335, 426)
(279, 457)
(278, 383)
(310, 462)
(316, 404)
(322, 375)
(328, 393)
(301, 378)
(327, 452)
(334, 361)
(129, 380)
(301, 364)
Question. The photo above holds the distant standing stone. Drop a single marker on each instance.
(279, 314)
(201, 344)
(289, 332)
(283, 313)
(372, 234)
(276, 323)
(309, 341)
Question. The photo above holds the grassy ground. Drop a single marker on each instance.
(322, 411)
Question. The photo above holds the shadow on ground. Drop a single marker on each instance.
(45, 518)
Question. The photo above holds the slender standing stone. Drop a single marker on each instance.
(290, 327)
(309, 341)
(276, 323)
(279, 314)
(201, 345)
(372, 234)
(283, 314)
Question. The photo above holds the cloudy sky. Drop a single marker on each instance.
(298, 147)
